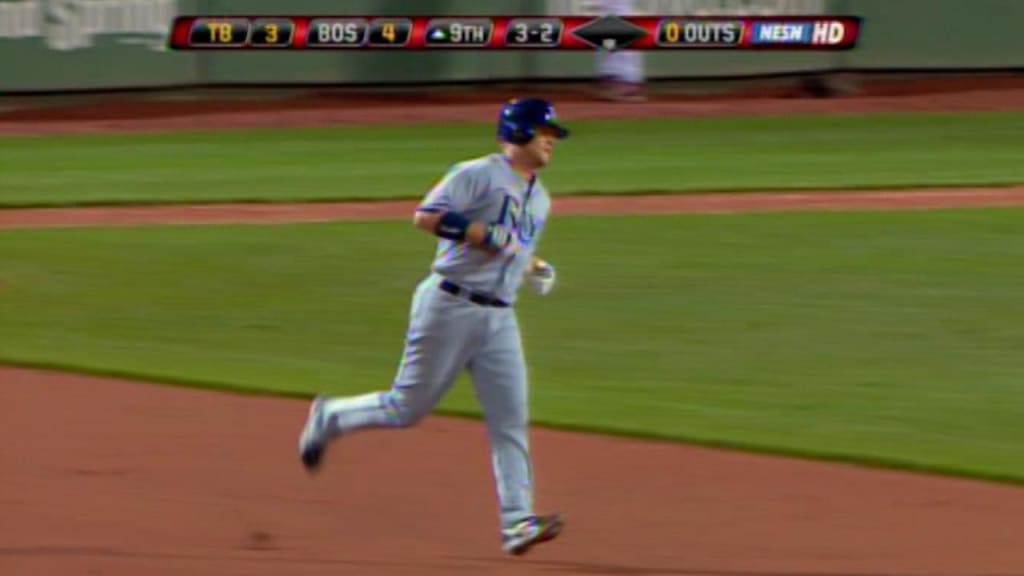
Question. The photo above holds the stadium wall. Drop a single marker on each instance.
(68, 45)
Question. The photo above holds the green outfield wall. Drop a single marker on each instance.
(57, 45)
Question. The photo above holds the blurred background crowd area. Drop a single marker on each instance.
(102, 53)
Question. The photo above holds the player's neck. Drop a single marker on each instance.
(517, 166)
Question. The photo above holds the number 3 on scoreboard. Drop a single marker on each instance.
(522, 33)
(271, 31)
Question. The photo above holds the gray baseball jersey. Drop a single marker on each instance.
(486, 189)
(449, 334)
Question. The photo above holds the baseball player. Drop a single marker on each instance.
(488, 214)
(621, 72)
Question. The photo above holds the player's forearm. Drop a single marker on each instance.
(476, 234)
(453, 226)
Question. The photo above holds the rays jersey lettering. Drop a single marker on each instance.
(486, 189)
(518, 213)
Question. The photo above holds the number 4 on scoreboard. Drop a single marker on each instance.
(390, 33)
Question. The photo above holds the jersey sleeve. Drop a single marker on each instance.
(454, 192)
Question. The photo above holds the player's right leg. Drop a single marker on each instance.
(499, 376)
(440, 340)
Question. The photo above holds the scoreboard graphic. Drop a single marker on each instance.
(515, 33)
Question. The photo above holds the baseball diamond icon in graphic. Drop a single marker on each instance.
(609, 32)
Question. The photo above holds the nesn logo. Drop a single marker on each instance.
(778, 33)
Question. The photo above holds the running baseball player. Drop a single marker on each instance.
(621, 72)
(488, 214)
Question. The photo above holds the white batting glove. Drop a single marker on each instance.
(541, 277)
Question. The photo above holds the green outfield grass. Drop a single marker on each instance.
(603, 156)
(890, 338)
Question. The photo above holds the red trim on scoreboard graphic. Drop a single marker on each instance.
(301, 31)
(755, 33)
(179, 32)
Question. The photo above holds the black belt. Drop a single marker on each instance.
(475, 297)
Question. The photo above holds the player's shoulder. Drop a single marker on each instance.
(479, 173)
(460, 174)
(473, 166)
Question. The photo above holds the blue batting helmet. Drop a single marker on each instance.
(520, 117)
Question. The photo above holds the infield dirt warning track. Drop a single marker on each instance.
(925, 199)
(120, 478)
(117, 478)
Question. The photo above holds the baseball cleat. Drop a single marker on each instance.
(314, 435)
(534, 530)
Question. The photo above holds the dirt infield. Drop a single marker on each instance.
(572, 205)
(133, 113)
(115, 478)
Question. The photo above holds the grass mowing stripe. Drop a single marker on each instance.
(871, 337)
(378, 162)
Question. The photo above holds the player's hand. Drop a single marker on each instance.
(541, 277)
(501, 239)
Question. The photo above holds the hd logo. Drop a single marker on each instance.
(73, 24)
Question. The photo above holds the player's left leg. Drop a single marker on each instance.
(441, 338)
(499, 377)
